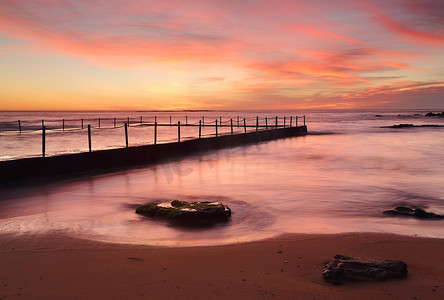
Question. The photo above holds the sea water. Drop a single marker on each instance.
(338, 178)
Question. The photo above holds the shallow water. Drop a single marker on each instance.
(320, 183)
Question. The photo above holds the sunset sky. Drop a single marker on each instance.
(221, 54)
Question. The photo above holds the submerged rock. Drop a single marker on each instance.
(187, 213)
(411, 125)
(402, 125)
(345, 268)
(414, 212)
(431, 114)
(398, 126)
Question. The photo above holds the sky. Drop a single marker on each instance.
(221, 54)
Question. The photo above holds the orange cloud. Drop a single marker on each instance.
(319, 33)
(290, 50)
(398, 88)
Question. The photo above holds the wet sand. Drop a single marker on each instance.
(57, 266)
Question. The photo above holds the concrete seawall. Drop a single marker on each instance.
(16, 171)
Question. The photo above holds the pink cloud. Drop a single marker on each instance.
(409, 32)
(96, 31)
(404, 94)
(418, 21)
(398, 88)
(319, 33)
(307, 71)
(171, 29)
(328, 49)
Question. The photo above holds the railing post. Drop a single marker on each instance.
(141, 120)
(20, 126)
(127, 121)
(89, 138)
(81, 122)
(296, 121)
(231, 121)
(200, 128)
(114, 122)
(43, 140)
(155, 119)
(257, 123)
(304, 120)
(203, 120)
(237, 121)
(170, 120)
(220, 119)
(266, 123)
(186, 120)
(99, 122)
(216, 127)
(178, 131)
(284, 122)
(155, 132)
(43, 123)
(245, 126)
(276, 122)
(291, 120)
(126, 135)
(63, 124)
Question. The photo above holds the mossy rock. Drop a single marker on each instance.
(188, 213)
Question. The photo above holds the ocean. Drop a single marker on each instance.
(338, 178)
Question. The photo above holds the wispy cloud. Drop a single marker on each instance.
(418, 21)
(254, 48)
(397, 88)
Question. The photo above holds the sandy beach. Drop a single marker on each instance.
(289, 266)
(223, 149)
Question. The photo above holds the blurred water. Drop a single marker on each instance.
(338, 179)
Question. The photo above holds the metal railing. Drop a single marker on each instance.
(69, 125)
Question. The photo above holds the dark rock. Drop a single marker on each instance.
(398, 126)
(135, 259)
(414, 212)
(402, 125)
(411, 125)
(345, 269)
(187, 213)
(431, 125)
(431, 114)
